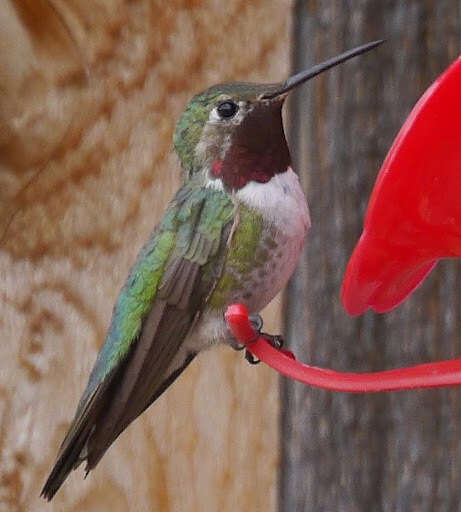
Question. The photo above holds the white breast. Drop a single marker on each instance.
(281, 201)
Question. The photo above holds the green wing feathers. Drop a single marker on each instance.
(190, 232)
(165, 291)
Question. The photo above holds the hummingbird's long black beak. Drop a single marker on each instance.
(303, 76)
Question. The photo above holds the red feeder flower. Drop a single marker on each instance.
(414, 215)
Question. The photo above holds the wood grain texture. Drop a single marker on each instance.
(385, 452)
(89, 93)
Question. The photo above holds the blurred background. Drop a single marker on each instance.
(89, 94)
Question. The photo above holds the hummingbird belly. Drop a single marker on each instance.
(276, 257)
(275, 260)
(271, 226)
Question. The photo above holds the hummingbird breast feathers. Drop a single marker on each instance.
(268, 236)
(280, 201)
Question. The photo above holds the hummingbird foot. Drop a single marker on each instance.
(275, 340)
(256, 322)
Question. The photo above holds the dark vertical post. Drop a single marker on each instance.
(384, 452)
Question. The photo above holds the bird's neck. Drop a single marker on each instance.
(241, 166)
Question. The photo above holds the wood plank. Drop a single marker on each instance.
(89, 93)
(385, 452)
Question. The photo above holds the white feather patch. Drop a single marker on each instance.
(281, 201)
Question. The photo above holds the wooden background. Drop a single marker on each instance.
(89, 93)
(395, 452)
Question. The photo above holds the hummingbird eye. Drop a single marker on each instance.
(227, 109)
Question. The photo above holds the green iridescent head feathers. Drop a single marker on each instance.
(190, 127)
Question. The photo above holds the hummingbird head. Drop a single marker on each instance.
(233, 132)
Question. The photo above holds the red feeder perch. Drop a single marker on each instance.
(430, 375)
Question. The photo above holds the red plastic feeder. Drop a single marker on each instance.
(413, 220)
(414, 215)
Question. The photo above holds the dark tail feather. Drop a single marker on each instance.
(95, 453)
(73, 449)
(70, 454)
(124, 394)
(79, 444)
(68, 459)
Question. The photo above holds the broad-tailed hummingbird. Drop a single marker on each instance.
(232, 233)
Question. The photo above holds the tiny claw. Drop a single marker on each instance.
(251, 358)
(276, 340)
(256, 322)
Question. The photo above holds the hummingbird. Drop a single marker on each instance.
(233, 232)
